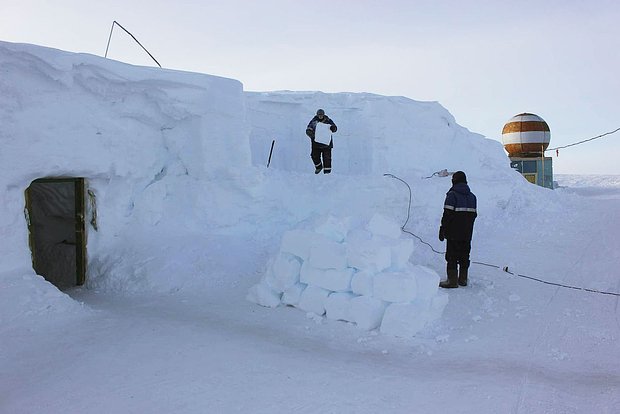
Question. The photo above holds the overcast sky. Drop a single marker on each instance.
(485, 61)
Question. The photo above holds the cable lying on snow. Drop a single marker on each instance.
(504, 268)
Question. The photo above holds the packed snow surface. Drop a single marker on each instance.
(190, 223)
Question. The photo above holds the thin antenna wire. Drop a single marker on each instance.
(586, 140)
(132, 36)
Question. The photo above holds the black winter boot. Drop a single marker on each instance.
(452, 281)
(318, 168)
(463, 276)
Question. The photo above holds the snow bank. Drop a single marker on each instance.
(25, 295)
(149, 142)
(376, 134)
(339, 274)
(172, 158)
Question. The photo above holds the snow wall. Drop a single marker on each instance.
(148, 141)
(375, 134)
(172, 156)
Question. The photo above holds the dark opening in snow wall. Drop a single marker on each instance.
(376, 134)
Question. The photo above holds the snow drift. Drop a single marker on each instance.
(149, 142)
(375, 134)
(173, 157)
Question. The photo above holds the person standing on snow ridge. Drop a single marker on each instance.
(320, 150)
(457, 226)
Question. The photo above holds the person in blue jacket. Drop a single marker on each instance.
(457, 227)
(320, 150)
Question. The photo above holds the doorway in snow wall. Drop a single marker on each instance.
(55, 211)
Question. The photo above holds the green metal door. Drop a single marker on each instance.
(55, 211)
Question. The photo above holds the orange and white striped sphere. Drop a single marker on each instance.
(526, 135)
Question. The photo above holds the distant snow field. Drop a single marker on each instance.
(600, 186)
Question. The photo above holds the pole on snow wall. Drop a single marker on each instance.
(270, 152)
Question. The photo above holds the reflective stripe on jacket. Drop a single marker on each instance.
(459, 214)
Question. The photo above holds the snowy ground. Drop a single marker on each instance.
(504, 343)
(189, 218)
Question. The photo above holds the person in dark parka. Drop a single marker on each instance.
(320, 150)
(457, 227)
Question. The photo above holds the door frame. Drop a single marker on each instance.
(80, 230)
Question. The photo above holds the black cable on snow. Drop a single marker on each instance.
(505, 268)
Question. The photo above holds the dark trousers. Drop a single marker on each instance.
(457, 254)
(322, 151)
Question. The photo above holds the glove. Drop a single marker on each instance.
(333, 128)
(441, 235)
(310, 133)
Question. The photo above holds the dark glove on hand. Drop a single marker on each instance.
(333, 128)
(441, 236)
(310, 133)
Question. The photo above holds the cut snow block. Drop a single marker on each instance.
(367, 312)
(285, 271)
(380, 225)
(269, 278)
(428, 281)
(357, 235)
(330, 279)
(395, 286)
(313, 299)
(328, 254)
(308, 273)
(368, 255)
(298, 242)
(263, 295)
(338, 306)
(292, 295)
(401, 252)
(336, 280)
(405, 319)
(334, 228)
(361, 283)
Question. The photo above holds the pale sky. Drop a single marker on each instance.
(484, 60)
